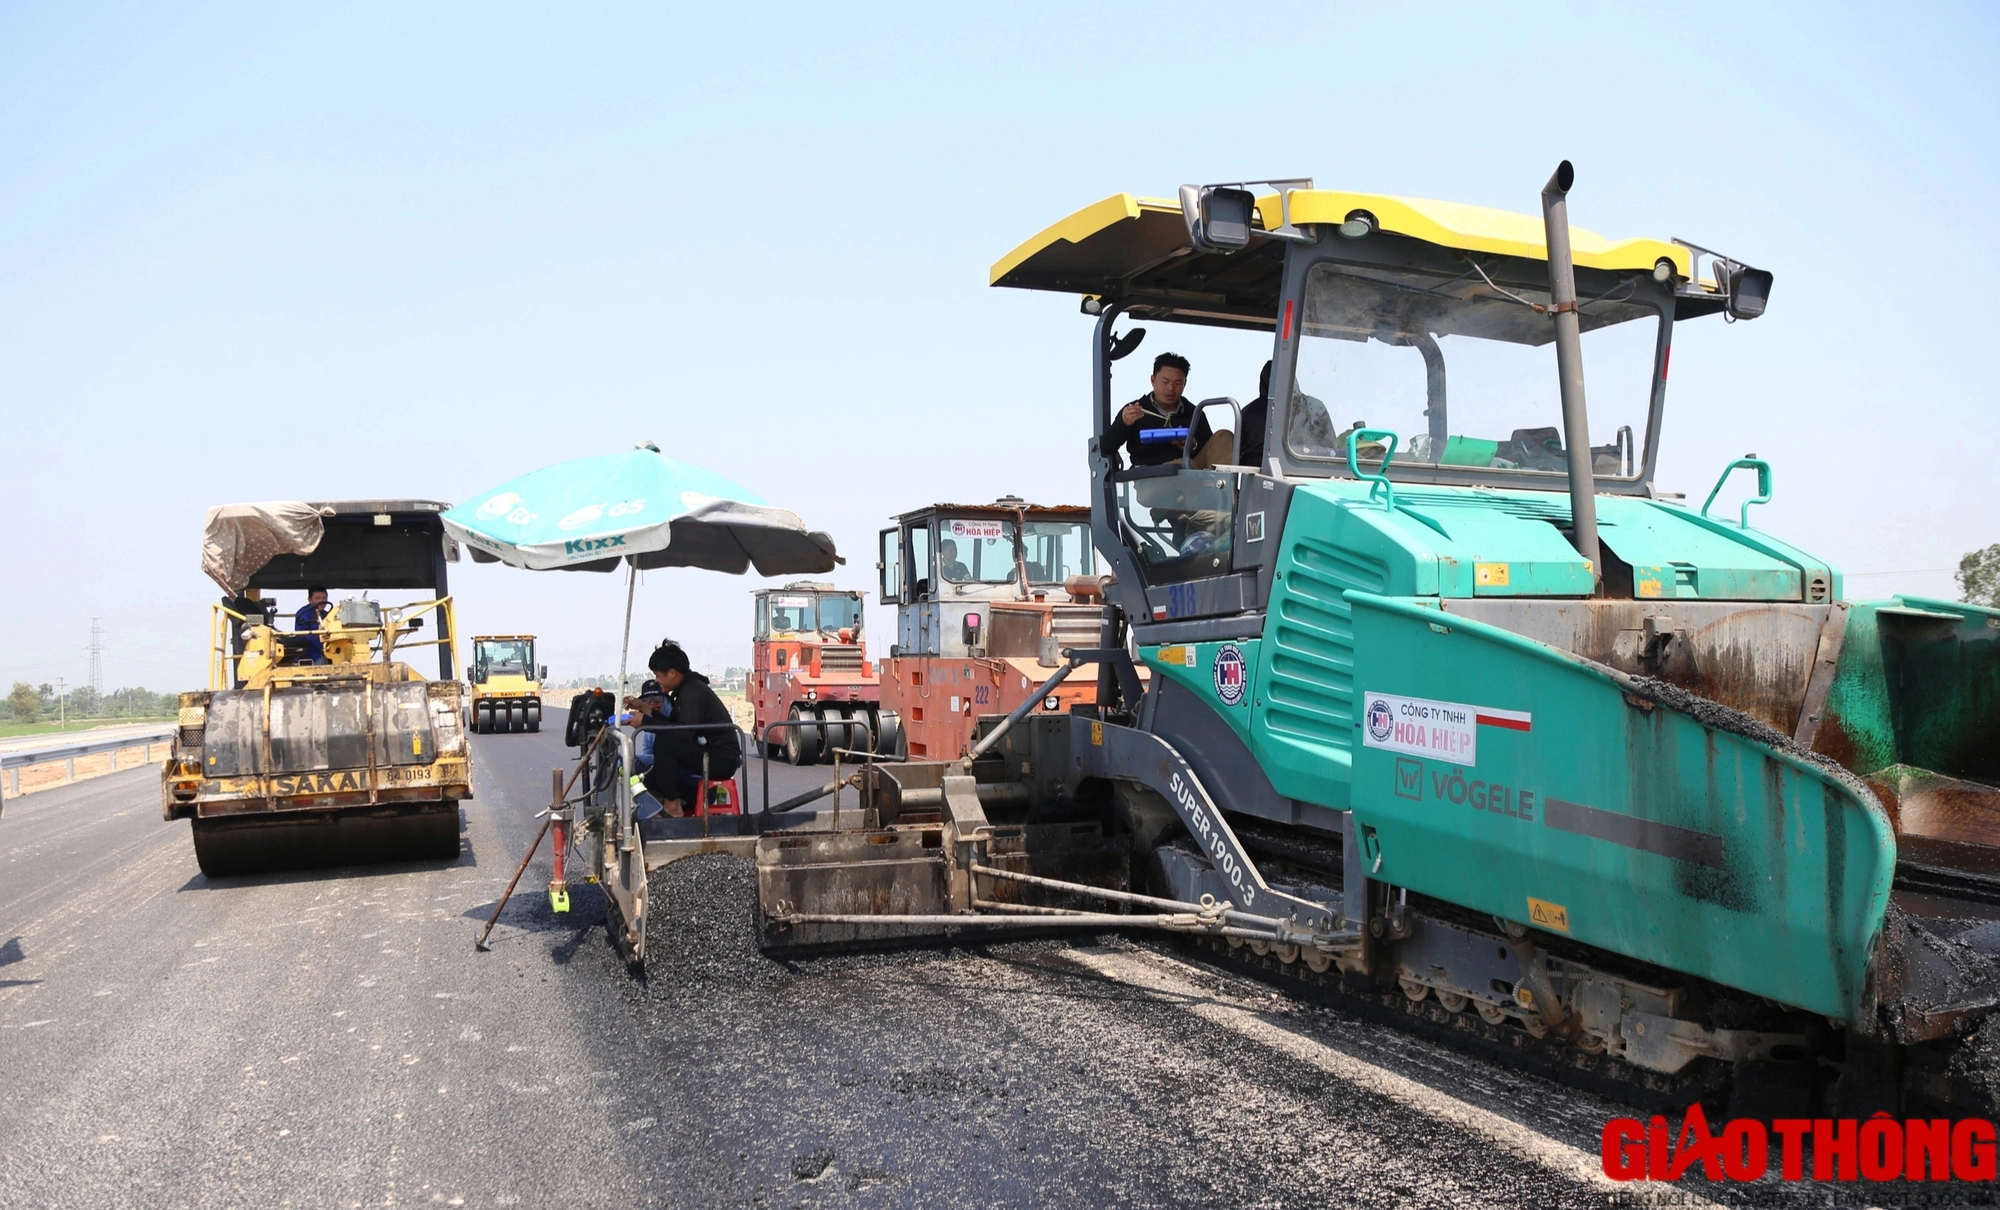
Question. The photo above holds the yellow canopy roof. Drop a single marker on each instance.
(1123, 235)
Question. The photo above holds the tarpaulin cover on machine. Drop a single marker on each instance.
(239, 539)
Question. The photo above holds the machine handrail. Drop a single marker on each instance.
(764, 748)
(1379, 486)
(223, 663)
(1763, 487)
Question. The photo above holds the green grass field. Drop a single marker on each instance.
(12, 730)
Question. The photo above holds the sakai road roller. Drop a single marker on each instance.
(315, 745)
(506, 684)
(1454, 715)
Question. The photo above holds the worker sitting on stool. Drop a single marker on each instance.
(678, 756)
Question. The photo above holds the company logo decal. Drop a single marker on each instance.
(1447, 731)
(1229, 674)
(1381, 719)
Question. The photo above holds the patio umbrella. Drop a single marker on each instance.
(641, 508)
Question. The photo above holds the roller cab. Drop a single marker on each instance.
(506, 683)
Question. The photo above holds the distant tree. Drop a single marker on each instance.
(24, 702)
(1979, 577)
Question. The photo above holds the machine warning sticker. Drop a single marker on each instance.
(1490, 575)
(1185, 656)
(977, 529)
(1230, 680)
(1545, 915)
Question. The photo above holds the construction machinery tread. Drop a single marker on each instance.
(1551, 1058)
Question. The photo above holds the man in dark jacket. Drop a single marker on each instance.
(678, 755)
(1164, 407)
(1250, 442)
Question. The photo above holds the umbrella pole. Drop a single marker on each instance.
(625, 647)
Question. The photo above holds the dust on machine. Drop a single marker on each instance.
(320, 746)
(1452, 713)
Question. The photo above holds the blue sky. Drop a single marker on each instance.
(344, 251)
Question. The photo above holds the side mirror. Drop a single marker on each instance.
(414, 624)
(543, 673)
(1749, 292)
(1122, 346)
(1218, 217)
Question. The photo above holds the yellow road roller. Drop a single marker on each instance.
(314, 744)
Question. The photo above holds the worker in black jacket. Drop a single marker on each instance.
(1164, 407)
(679, 753)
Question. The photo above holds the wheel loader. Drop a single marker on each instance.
(1455, 716)
(319, 746)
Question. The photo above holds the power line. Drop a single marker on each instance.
(96, 658)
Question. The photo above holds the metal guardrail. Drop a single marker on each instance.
(43, 756)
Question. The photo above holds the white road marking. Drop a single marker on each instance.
(1556, 1156)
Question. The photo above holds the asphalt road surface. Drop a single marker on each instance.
(333, 1040)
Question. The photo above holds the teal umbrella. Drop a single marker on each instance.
(640, 508)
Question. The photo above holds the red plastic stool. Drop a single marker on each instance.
(719, 798)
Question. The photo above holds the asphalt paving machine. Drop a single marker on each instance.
(1453, 715)
(506, 683)
(321, 747)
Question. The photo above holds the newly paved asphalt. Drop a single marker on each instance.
(333, 1039)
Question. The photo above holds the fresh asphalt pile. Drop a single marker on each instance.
(1091, 1070)
(1013, 1074)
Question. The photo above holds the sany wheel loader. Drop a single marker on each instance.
(1454, 716)
(320, 748)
